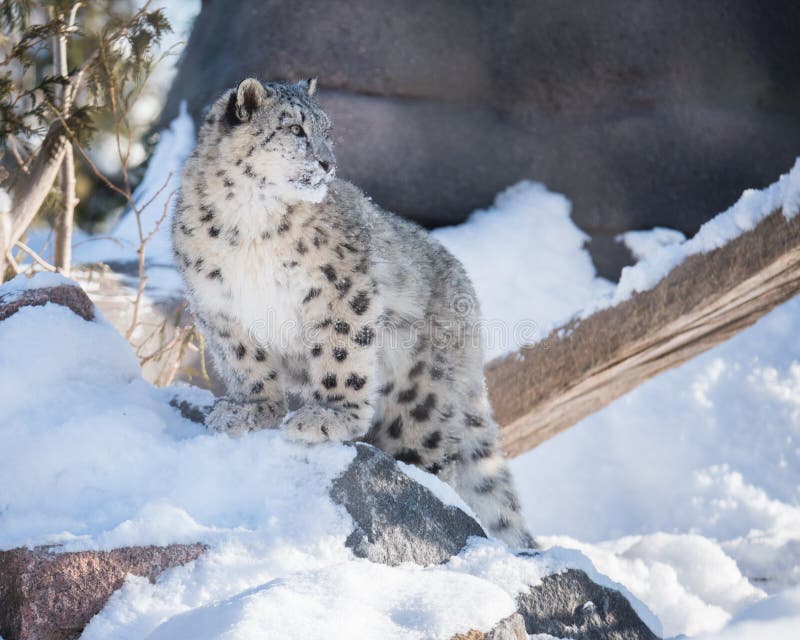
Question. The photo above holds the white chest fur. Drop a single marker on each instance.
(263, 296)
(256, 287)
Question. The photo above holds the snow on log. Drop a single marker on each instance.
(581, 367)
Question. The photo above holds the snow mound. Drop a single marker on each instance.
(527, 261)
(776, 618)
(98, 459)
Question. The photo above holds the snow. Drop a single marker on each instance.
(644, 244)
(97, 459)
(776, 618)
(444, 492)
(536, 276)
(332, 602)
(21, 283)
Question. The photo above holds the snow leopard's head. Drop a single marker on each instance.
(280, 137)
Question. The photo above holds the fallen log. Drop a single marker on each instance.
(547, 387)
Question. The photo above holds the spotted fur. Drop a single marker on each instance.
(326, 315)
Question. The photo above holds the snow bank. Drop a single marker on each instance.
(776, 618)
(96, 458)
(527, 262)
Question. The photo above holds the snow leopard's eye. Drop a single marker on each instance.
(297, 130)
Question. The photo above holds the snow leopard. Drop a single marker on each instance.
(325, 315)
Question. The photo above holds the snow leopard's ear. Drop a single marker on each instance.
(248, 98)
(309, 86)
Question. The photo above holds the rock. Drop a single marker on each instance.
(570, 605)
(398, 520)
(52, 596)
(643, 113)
(510, 628)
(72, 297)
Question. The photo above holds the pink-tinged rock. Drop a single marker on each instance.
(52, 596)
(72, 297)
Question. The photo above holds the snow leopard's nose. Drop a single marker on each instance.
(324, 155)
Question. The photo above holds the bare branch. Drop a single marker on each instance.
(12, 263)
(140, 252)
(21, 162)
(44, 264)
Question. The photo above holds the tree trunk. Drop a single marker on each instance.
(31, 190)
(64, 221)
(546, 388)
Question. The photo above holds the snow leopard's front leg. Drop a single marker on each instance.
(340, 313)
(255, 399)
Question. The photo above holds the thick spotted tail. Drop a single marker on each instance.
(483, 480)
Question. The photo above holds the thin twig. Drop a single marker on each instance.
(140, 252)
(37, 258)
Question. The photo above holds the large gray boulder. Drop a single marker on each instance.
(398, 520)
(642, 112)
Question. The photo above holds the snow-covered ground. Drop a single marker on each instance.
(687, 490)
(93, 457)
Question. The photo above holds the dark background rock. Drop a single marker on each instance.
(52, 596)
(570, 605)
(642, 112)
(398, 520)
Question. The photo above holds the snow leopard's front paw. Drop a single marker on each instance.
(314, 423)
(236, 418)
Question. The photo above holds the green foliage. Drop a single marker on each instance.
(117, 51)
(112, 47)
